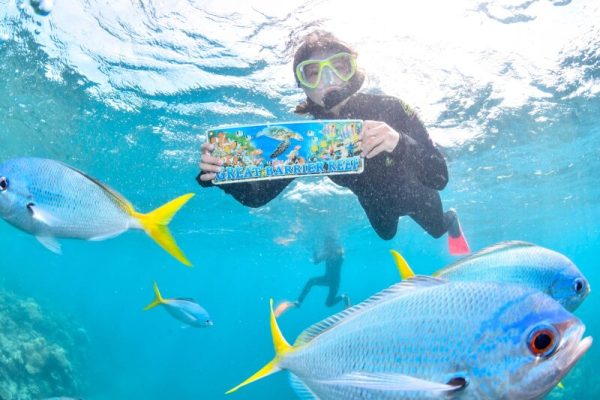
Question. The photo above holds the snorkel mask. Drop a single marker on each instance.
(310, 72)
(326, 69)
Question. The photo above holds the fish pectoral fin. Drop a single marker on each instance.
(50, 243)
(41, 215)
(190, 316)
(389, 382)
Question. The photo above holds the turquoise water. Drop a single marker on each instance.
(509, 90)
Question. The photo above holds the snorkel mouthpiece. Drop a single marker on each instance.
(335, 96)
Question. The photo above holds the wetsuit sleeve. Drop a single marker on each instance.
(251, 194)
(416, 147)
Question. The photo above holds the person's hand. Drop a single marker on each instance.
(376, 137)
(209, 164)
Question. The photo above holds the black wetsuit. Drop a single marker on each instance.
(334, 258)
(404, 182)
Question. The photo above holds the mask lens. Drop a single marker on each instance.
(309, 73)
(344, 65)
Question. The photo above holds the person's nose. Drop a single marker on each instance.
(329, 78)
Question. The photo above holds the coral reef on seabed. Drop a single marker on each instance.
(41, 354)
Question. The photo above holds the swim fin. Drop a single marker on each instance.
(457, 242)
(283, 307)
(458, 246)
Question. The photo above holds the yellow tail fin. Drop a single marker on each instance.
(155, 224)
(405, 271)
(281, 346)
(158, 299)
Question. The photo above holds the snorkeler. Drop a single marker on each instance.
(403, 169)
(333, 255)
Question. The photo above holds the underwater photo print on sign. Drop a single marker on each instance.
(287, 150)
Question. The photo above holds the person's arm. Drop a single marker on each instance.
(416, 147)
(318, 256)
(251, 194)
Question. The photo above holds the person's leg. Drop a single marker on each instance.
(316, 281)
(427, 211)
(451, 223)
(332, 297)
(429, 214)
(382, 216)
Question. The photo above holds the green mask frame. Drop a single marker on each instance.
(309, 72)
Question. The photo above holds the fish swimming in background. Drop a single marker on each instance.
(184, 309)
(521, 263)
(426, 338)
(50, 200)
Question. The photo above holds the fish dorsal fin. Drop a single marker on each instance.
(117, 197)
(487, 251)
(403, 268)
(186, 299)
(399, 289)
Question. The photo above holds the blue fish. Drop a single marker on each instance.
(184, 309)
(426, 338)
(521, 263)
(50, 200)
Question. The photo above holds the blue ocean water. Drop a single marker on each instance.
(510, 91)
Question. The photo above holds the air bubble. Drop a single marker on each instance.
(42, 7)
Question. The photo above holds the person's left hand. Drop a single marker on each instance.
(376, 137)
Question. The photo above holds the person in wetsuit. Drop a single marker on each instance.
(403, 169)
(332, 253)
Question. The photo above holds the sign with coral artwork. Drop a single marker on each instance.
(287, 150)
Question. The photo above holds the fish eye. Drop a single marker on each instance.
(459, 382)
(3, 183)
(578, 285)
(543, 341)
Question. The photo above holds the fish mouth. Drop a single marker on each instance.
(581, 348)
(573, 349)
(570, 351)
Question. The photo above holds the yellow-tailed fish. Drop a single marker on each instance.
(185, 310)
(521, 263)
(426, 338)
(51, 200)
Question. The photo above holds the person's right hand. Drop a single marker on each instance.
(209, 164)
